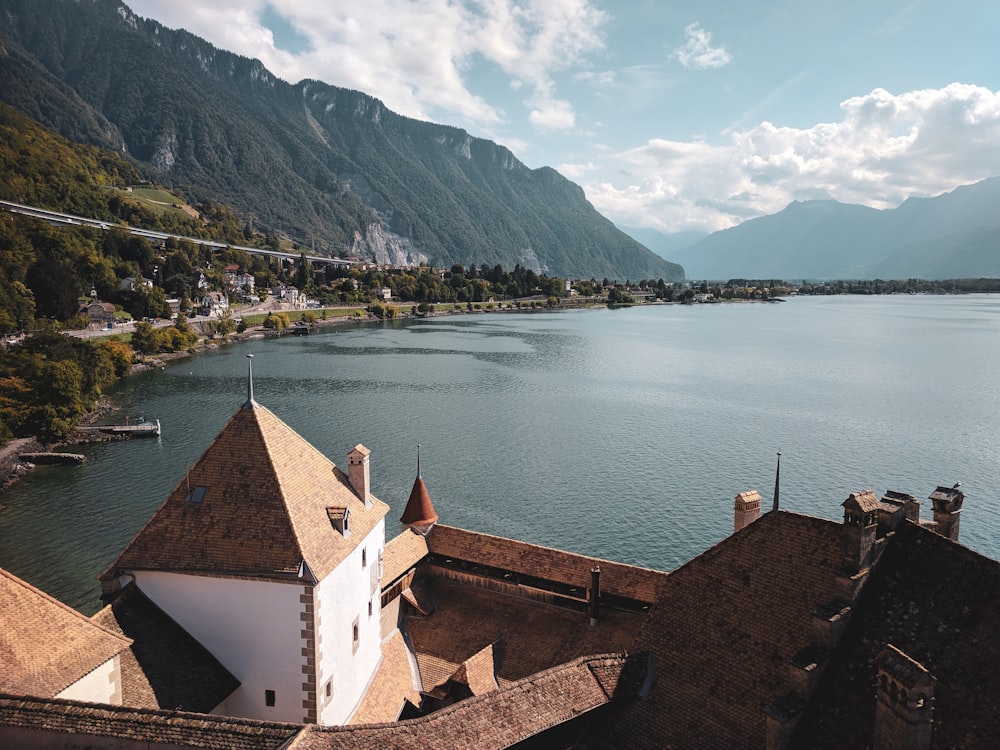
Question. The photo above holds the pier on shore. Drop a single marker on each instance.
(139, 429)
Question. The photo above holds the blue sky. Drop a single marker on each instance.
(672, 116)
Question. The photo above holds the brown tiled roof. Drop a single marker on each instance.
(164, 667)
(724, 630)
(419, 508)
(939, 603)
(865, 500)
(479, 671)
(535, 635)
(495, 720)
(264, 508)
(402, 553)
(173, 728)
(46, 646)
(556, 565)
(391, 687)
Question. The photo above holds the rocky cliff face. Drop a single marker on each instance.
(386, 248)
(321, 164)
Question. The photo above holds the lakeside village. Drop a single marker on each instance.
(154, 303)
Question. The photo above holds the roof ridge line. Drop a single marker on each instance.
(76, 613)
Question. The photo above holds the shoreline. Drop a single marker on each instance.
(13, 467)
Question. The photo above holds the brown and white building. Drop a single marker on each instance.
(263, 589)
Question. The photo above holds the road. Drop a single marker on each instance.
(93, 332)
(56, 217)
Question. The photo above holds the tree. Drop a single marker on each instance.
(276, 321)
(303, 278)
(224, 325)
(145, 340)
(58, 393)
(119, 354)
(55, 287)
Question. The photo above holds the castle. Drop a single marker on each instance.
(262, 607)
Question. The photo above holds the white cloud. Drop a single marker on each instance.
(604, 79)
(552, 114)
(415, 55)
(697, 51)
(884, 149)
(575, 171)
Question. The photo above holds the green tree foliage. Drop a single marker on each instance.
(224, 325)
(50, 380)
(227, 127)
(145, 339)
(119, 354)
(276, 321)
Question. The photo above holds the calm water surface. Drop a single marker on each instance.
(623, 434)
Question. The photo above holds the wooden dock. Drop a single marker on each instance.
(137, 429)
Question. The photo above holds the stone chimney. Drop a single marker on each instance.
(904, 703)
(947, 510)
(358, 473)
(894, 509)
(746, 509)
(594, 596)
(860, 528)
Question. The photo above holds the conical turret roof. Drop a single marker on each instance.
(419, 508)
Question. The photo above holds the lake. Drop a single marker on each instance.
(622, 434)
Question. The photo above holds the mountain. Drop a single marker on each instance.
(332, 168)
(953, 235)
(665, 245)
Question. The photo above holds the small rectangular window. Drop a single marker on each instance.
(269, 698)
(196, 495)
(329, 688)
(369, 609)
(355, 634)
(364, 557)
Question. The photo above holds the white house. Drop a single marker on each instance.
(214, 304)
(269, 555)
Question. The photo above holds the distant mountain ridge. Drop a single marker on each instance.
(665, 245)
(953, 235)
(326, 165)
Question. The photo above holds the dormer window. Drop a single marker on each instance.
(195, 495)
(340, 519)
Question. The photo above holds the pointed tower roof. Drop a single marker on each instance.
(419, 508)
(257, 503)
(419, 512)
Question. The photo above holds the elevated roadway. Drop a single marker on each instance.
(56, 217)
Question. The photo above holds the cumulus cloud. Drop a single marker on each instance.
(884, 149)
(412, 54)
(552, 114)
(697, 51)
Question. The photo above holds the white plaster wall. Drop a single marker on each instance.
(252, 627)
(340, 598)
(97, 686)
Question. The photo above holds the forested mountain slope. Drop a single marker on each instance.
(330, 167)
